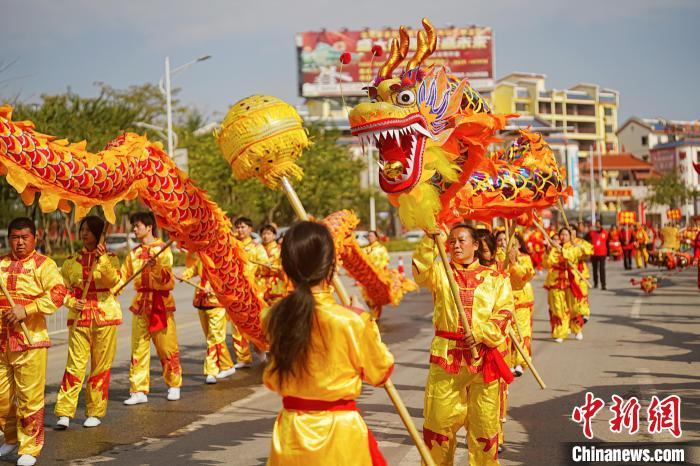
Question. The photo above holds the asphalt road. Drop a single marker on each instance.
(634, 345)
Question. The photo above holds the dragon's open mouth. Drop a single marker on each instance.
(401, 143)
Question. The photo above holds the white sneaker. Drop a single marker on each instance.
(518, 370)
(7, 448)
(136, 398)
(92, 422)
(62, 423)
(26, 460)
(243, 365)
(226, 373)
(173, 394)
(579, 336)
(559, 340)
(211, 379)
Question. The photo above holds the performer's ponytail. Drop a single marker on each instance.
(308, 258)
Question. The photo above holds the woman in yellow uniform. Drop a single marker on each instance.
(212, 316)
(582, 309)
(562, 286)
(462, 392)
(276, 285)
(92, 325)
(521, 271)
(320, 353)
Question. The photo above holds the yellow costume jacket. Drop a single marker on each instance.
(101, 306)
(488, 303)
(560, 265)
(34, 282)
(256, 255)
(520, 273)
(276, 281)
(378, 255)
(155, 282)
(346, 350)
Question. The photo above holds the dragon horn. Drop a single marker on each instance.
(427, 43)
(398, 52)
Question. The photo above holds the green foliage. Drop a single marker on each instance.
(669, 190)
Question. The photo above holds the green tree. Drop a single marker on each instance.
(669, 190)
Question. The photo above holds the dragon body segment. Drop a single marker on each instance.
(129, 167)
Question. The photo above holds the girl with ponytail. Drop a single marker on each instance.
(320, 353)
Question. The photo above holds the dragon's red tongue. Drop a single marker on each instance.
(391, 151)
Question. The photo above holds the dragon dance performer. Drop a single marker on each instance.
(257, 257)
(92, 325)
(276, 284)
(521, 271)
(640, 246)
(212, 316)
(379, 256)
(37, 289)
(627, 237)
(153, 308)
(670, 235)
(615, 243)
(321, 353)
(563, 287)
(582, 309)
(461, 392)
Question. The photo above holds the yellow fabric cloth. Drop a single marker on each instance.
(453, 401)
(521, 273)
(101, 307)
(156, 278)
(36, 283)
(581, 306)
(241, 346)
(98, 345)
(346, 350)
(218, 357)
(488, 302)
(378, 254)
(202, 299)
(276, 282)
(22, 383)
(255, 255)
(563, 317)
(165, 342)
(641, 238)
(670, 237)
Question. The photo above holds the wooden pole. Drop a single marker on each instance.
(11, 302)
(199, 287)
(138, 272)
(345, 300)
(455, 291)
(527, 359)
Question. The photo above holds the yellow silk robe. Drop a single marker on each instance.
(346, 349)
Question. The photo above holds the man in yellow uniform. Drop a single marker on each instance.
(153, 308)
(462, 392)
(255, 264)
(217, 363)
(640, 246)
(276, 284)
(36, 288)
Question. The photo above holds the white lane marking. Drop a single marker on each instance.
(636, 306)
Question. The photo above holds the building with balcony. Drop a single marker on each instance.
(682, 157)
(639, 135)
(585, 113)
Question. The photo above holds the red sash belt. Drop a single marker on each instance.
(456, 336)
(292, 403)
(575, 288)
(158, 319)
(495, 367)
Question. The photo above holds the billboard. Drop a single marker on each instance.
(467, 51)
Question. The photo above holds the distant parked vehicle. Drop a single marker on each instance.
(414, 236)
(118, 242)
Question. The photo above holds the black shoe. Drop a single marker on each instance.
(603, 288)
(595, 285)
(501, 449)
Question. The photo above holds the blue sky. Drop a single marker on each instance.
(646, 49)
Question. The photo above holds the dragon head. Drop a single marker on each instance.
(425, 124)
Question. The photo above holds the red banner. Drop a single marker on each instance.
(467, 51)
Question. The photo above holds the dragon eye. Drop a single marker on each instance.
(406, 97)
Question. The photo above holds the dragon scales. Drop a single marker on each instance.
(129, 167)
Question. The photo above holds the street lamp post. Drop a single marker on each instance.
(168, 96)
